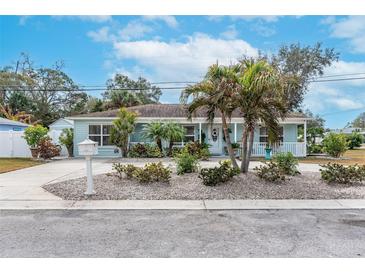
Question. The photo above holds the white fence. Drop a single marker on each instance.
(12, 144)
(297, 148)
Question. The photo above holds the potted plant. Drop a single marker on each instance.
(272, 139)
(33, 136)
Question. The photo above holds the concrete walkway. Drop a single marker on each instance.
(25, 184)
(184, 204)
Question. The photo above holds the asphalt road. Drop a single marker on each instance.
(179, 233)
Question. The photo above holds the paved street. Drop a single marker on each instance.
(184, 233)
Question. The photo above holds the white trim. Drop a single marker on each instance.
(235, 132)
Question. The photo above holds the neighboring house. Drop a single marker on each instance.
(350, 130)
(11, 139)
(7, 125)
(55, 130)
(97, 126)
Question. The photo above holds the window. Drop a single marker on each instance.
(100, 134)
(189, 134)
(264, 135)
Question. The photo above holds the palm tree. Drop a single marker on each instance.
(261, 98)
(173, 132)
(123, 126)
(215, 93)
(154, 131)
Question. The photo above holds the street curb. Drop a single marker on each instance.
(182, 204)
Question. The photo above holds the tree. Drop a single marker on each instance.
(154, 131)
(123, 126)
(315, 127)
(355, 140)
(215, 93)
(335, 144)
(51, 93)
(123, 91)
(67, 139)
(359, 121)
(173, 132)
(304, 63)
(93, 104)
(260, 98)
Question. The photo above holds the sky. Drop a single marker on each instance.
(180, 48)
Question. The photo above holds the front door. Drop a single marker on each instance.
(215, 139)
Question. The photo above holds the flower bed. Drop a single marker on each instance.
(307, 185)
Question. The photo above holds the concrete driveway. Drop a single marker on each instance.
(25, 184)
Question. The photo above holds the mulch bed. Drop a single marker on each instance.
(308, 185)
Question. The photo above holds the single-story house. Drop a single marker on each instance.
(97, 127)
(55, 130)
(10, 125)
(350, 130)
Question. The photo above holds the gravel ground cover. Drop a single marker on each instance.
(189, 187)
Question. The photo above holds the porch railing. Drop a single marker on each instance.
(297, 148)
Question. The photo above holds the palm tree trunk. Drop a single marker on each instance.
(228, 142)
(171, 144)
(244, 150)
(159, 143)
(250, 146)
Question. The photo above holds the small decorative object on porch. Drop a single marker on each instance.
(268, 153)
(88, 148)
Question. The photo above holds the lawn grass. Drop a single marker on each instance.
(11, 164)
(351, 157)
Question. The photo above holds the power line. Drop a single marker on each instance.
(103, 88)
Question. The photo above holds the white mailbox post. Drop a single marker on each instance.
(88, 148)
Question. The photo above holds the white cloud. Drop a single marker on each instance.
(351, 28)
(346, 104)
(167, 19)
(182, 60)
(96, 18)
(86, 18)
(267, 18)
(326, 97)
(230, 33)
(23, 19)
(100, 35)
(248, 18)
(134, 29)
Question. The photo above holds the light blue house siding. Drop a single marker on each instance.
(12, 127)
(81, 132)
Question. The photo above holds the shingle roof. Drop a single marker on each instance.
(4, 121)
(165, 111)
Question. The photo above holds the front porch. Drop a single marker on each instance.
(298, 149)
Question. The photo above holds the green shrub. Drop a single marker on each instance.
(335, 144)
(152, 172)
(287, 163)
(186, 163)
(145, 151)
(235, 145)
(34, 134)
(270, 172)
(336, 173)
(199, 150)
(354, 140)
(176, 151)
(315, 148)
(121, 169)
(217, 175)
